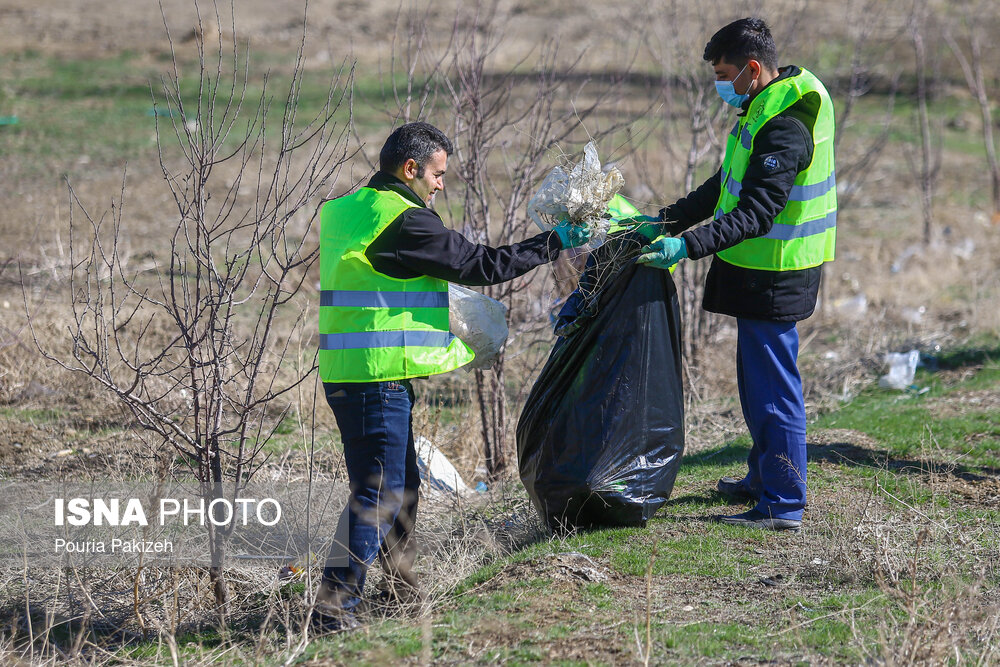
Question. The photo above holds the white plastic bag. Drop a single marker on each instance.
(437, 475)
(550, 201)
(902, 369)
(481, 323)
(581, 195)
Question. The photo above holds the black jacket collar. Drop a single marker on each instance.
(385, 181)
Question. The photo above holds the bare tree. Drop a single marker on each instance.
(692, 131)
(507, 123)
(199, 351)
(929, 164)
(970, 55)
(869, 33)
(868, 28)
(502, 151)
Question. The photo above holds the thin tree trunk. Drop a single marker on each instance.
(927, 168)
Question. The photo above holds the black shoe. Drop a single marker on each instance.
(733, 489)
(757, 519)
(327, 621)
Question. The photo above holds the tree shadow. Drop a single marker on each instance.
(727, 455)
(845, 453)
(852, 455)
(962, 358)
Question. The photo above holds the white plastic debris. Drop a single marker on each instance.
(914, 315)
(481, 323)
(964, 250)
(580, 194)
(438, 476)
(902, 369)
(905, 256)
(852, 307)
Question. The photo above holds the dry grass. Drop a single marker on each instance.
(103, 615)
(870, 533)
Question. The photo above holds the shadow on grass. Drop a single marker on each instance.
(973, 356)
(727, 455)
(849, 454)
(40, 632)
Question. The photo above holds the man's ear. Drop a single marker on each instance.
(410, 169)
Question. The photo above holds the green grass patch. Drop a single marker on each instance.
(35, 415)
(709, 640)
(709, 555)
(191, 645)
(101, 111)
(377, 644)
(912, 425)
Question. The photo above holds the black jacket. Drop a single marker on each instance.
(783, 296)
(417, 243)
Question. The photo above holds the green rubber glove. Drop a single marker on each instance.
(663, 253)
(570, 235)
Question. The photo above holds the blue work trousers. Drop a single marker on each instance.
(775, 413)
(376, 427)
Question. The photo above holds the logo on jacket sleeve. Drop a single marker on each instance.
(770, 163)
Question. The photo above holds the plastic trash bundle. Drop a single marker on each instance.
(580, 194)
(601, 437)
(902, 369)
(480, 322)
(439, 477)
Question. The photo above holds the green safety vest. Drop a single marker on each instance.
(619, 208)
(373, 327)
(805, 232)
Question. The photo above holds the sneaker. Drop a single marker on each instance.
(733, 489)
(757, 519)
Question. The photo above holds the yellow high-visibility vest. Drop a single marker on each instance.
(804, 233)
(373, 327)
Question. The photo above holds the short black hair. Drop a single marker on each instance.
(741, 41)
(417, 141)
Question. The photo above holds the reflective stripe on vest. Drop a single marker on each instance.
(370, 299)
(359, 340)
(798, 192)
(804, 232)
(374, 327)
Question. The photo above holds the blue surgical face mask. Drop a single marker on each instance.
(727, 91)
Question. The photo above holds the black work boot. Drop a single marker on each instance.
(400, 589)
(328, 615)
(734, 489)
(757, 519)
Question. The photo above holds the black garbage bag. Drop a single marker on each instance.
(602, 433)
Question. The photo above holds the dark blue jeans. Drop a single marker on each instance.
(775, 413)
(377, 431)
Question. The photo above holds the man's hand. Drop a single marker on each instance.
(663, 253)
(570, 235)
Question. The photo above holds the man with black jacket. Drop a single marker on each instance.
(386, 259)
(774, 206)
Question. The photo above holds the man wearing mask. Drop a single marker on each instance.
(386, 259)
(773, 206)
